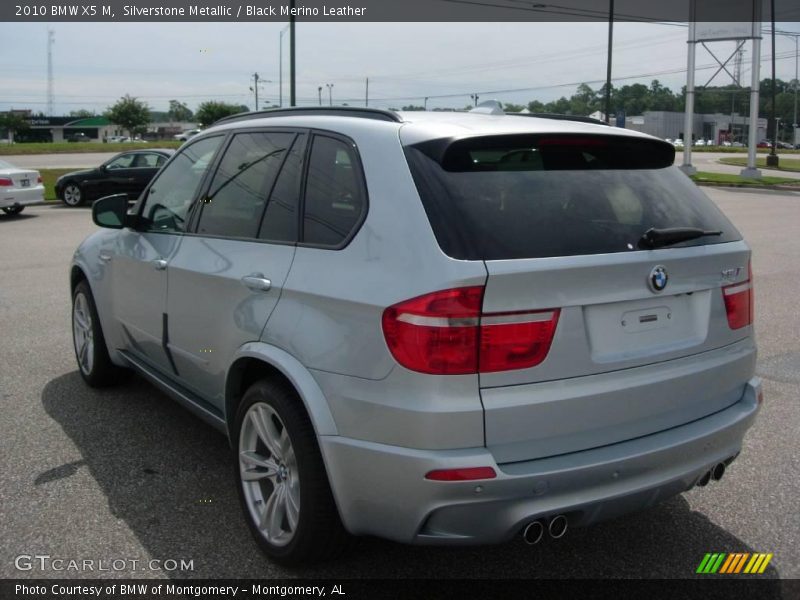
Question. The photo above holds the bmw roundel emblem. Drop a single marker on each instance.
(658, 278)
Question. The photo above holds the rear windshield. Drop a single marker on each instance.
(509, 197)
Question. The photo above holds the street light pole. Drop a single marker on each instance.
(795, 140)
(330, 93)
(319, 91)
(608, 64)
(280, 66)
(772, 159)
(292, 94)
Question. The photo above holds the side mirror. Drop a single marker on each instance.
(111, 211)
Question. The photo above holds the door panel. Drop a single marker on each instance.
(223, 284)
(140, 292)
(212, 311)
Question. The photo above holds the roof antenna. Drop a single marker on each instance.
(489, 107)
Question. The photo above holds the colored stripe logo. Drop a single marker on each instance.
(734, 563)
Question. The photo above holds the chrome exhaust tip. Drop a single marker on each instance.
(533, 532)
(557, 526)
(718, 472)
(703, 481)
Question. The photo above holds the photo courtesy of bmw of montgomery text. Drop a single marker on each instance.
(437, 328)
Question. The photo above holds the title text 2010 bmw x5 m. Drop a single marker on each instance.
(434, 328)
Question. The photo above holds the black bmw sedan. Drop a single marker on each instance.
(126, 173)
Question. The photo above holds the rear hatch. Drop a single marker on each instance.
(559, 222)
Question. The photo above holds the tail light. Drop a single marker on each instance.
(5, 181)
(446, 333)
(39, 179)
(739, 302)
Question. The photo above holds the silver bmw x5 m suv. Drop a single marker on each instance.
(434, 328)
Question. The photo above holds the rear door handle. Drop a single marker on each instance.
(257, 283)
(104, 257)
(159, 264)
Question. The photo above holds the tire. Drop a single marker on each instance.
(72, 194)
(284, 492)
(13, 210)
(91, 352)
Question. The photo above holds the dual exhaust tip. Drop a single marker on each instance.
(716, 474)
(534, 531)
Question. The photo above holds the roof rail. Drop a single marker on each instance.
(341, 111)
(561, 117)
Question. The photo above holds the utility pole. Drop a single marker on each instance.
(608, 63)
(794, 125)
(51, 97)
(772, 158)
(366, 98)
(426, 103)
(319, 91)
(292, 62)
(330, 93)
(474, 99)
(255, 87)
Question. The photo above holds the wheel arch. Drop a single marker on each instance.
(257, 360)
(76, 275)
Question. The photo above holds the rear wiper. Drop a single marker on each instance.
(658, 238)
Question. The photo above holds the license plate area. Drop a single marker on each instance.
(632, 329)
(25, 182)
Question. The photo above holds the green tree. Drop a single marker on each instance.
(130, 114)
(212, 111)
(584, 101)
(178, 111)
(13, 123)
(82, 113)
(512, 108)
(412, 107)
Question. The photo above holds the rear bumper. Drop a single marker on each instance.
(381, 490)
(21, 196)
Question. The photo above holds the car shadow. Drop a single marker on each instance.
(169, 476)
(23, 216)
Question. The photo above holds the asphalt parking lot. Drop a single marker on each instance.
(127, 474)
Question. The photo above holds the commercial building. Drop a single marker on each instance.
(717, 128)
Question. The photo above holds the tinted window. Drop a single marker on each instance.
(148, 161)
(121, 162)
(238, 193)
(335, 197)
(280, 219)
(512, 197)
(171, 194)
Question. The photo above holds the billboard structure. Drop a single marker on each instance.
(703, 32)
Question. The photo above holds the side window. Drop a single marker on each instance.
(121, 162)
(280, 219)
(238, 193)
(335, 196)
(171, 194)
(148, 161)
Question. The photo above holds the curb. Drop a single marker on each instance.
(749, 186)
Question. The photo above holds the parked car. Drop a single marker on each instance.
(436, 328)
(18, 188)
(764, 144)
(185, 135)
(784, 145)
(126, 173)
(78, 137)
(678, 143)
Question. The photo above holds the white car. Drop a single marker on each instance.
(19, 187)
(678, 143)
(185, 135)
